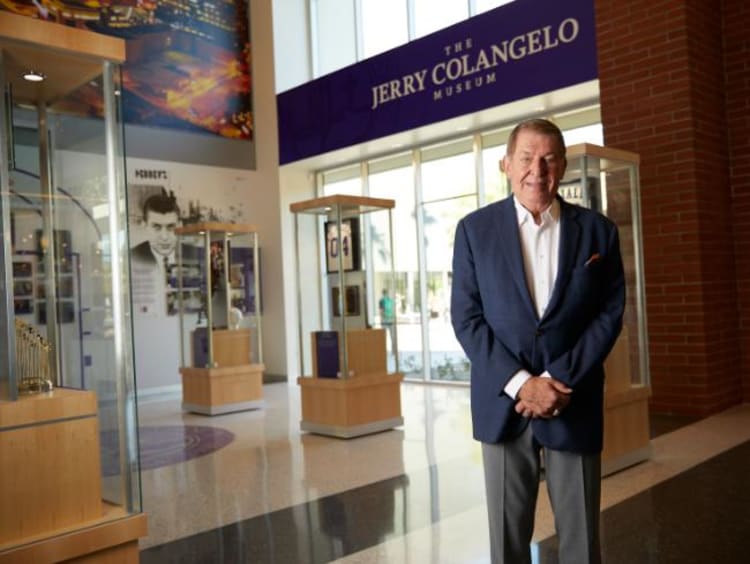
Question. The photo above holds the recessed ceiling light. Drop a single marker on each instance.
(34, 76)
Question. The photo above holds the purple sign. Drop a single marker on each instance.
(522, 49)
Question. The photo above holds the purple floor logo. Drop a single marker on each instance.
(164, 446)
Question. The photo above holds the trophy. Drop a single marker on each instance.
(32, 359)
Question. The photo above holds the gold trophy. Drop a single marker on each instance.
(32, 359)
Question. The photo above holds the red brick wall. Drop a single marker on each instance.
(737, 82)
(662, 96)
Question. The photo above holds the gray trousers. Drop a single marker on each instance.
(511, 475)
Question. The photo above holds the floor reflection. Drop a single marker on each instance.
(416, 494)
(332, 526)
(696, 517)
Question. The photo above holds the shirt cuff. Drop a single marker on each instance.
(545, 374)
(516, 381)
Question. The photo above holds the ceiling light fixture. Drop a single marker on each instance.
(34, 76)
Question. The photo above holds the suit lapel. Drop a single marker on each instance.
(570, 233)
(511, 250)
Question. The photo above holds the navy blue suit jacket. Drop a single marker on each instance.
(497, 325)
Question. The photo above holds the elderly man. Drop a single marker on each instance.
(537, 303)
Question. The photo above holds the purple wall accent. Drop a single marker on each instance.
(515, 51)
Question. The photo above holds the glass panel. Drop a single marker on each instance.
(336, 44)
(344, 181)
(612, 187)
(187, 281)
(588, 134)
(76, 244)
(495, 182)
(432, 15)
(448, 177)
(463, 145)
(91, 218)
(384, 25)
(485, 5)
(618, 193)
(225, 329)
(447, 359)
(398, 184)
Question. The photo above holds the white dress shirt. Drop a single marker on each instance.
(540, 245)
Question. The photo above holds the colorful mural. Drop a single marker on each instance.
(188, 61)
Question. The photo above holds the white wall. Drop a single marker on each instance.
(298, 184)
(264, 182)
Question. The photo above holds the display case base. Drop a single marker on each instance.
(50, 471)
(627, 439)
(52, 508)
(215, 391)
(352, 431)
(107, 542)
(351, 407)
(222, 409)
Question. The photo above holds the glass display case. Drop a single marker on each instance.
(217, 295)
(348, 346)
(607, 180)
(69, 466)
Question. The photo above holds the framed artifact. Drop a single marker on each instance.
(65, 312)
(23, 288)
(21, 269)
(351, 301)
(22, 306)
(344, 244)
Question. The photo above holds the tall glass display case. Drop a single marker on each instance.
(218, 299)
(350, 381)
(69, 468)
(607, 180)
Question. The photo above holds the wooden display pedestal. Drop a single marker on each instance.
(351, 407)
(215, 391)
(626, 431)
(234, 384)
(627, 439)
(52, 506)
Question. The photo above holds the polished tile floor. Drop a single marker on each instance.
(415, 494)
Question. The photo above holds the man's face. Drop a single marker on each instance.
(161, 236)
(535, 169)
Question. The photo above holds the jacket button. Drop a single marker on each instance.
(539, 333)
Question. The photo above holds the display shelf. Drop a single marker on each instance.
(350, 384)
(220, 324)
(612, 187)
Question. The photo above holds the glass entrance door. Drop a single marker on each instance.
(447, 360)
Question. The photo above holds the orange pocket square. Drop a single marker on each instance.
(596, 257)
